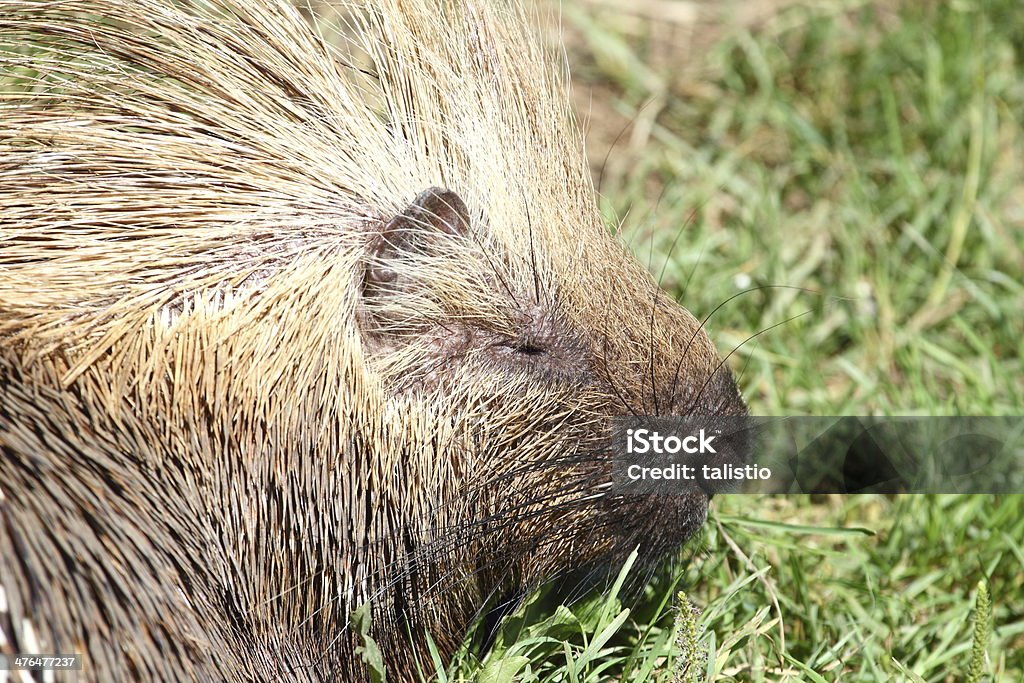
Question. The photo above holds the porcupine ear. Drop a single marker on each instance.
(435, 212)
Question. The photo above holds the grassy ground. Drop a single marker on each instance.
(859, 167)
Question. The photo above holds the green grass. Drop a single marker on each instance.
(860, 166)
(876, 165)
(860, 588)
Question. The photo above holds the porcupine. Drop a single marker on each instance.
(291, 324)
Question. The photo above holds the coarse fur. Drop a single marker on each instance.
(293, 321)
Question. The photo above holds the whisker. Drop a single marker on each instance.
(724, 360)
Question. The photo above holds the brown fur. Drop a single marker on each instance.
(254, 374)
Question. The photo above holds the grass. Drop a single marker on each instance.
(852, 173)
(858, 588)
(872, 159)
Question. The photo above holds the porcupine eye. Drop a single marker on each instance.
(539, 336)
(523, 347)
(530, 349)
(546, 344)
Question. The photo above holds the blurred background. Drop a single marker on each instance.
(857, 164)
